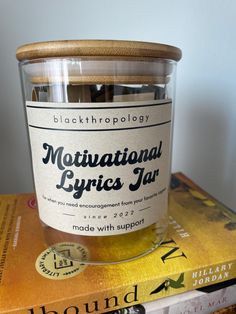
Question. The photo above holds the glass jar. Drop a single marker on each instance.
(99, 116)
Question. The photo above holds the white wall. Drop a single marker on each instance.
(205, 128)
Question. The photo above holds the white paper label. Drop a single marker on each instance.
(100, 168)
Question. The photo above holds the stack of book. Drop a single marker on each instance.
(193, 271)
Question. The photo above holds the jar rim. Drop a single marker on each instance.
(85, 48)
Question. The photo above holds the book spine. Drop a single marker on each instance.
(141, 292)
(198, 302)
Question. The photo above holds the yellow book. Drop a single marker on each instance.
(200, 250)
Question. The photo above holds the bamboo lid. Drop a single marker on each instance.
(86, 48)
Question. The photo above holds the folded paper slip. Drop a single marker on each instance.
(199, 251)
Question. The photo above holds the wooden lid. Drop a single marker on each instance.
(81, 48)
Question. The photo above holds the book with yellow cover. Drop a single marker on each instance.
(200, 250)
